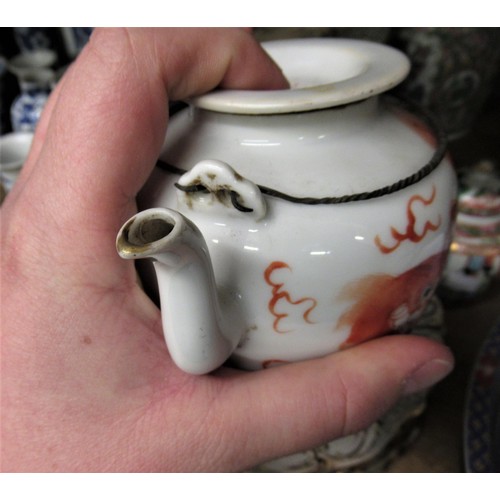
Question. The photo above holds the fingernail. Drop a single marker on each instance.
(427, 375)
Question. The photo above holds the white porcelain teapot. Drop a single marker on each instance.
(288, 224)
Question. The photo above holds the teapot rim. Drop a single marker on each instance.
(342, 71)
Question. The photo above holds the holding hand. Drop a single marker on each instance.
(87, 383)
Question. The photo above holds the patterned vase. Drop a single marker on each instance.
(26, 109)
(453, 71)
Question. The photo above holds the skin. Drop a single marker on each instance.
(87, 383)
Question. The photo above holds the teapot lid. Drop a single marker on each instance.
(322, 72)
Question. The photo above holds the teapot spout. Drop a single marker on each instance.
(199, 335)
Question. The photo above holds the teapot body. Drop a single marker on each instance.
(344, 237)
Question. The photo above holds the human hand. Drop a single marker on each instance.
(87, 382)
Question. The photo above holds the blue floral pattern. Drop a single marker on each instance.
(26, 110)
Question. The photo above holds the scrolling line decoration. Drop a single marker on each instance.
(411, 234)
(280, 295)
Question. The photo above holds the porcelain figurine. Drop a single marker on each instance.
(285, 225)
(474, 260)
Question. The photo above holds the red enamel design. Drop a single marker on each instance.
(411, 233)
(280, 294)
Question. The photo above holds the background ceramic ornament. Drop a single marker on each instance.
(27, 62)
(358, 199)
(35, 85)
(14, 149)
(453, 71)
(474, 260)
(31, 39)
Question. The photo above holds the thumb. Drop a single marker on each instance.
(303, 405)
(107, 125)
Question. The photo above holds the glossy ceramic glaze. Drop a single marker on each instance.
(301, 224)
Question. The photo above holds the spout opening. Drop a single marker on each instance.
(150, 230)
(145, 233)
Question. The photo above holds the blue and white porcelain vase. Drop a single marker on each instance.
(27, 107)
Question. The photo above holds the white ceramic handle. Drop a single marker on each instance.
(214, 183)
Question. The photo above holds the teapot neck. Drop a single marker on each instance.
(341, 119)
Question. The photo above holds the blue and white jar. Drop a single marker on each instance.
(27, 108)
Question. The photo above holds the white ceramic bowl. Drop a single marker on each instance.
(14, 149)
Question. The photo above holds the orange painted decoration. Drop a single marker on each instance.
(378, 306)
(278, 294)
(410, 234)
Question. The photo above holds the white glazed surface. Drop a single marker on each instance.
(321, 72)
(303, 276)
(14, 149)
(326, 248)
(25, 63)
(333, 152)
